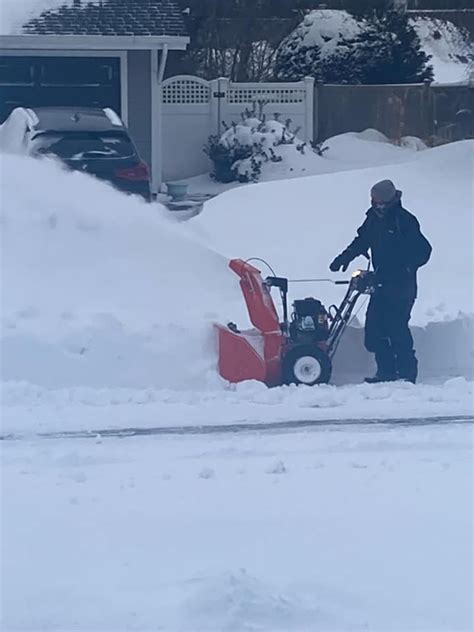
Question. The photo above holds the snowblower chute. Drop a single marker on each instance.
(296, 350)
(254, 354)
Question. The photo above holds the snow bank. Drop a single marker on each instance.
(101, 290)
(29, 409)
(300, 225)
(98, 288)
(370, 148)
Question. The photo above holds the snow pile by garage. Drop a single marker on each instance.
(450, 47)
(300, 225)
(98, 288)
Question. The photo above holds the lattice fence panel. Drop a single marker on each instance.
(270, 95)
(186, 91)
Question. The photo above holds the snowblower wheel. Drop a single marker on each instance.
(306, 365)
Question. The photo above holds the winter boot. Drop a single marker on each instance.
(386, 366)
(408, 367)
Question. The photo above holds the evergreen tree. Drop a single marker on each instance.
(387, 51)
(295, 61)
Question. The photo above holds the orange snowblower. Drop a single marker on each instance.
(300, 348)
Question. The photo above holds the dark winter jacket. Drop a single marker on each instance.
(397, 245)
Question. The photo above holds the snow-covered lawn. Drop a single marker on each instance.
(344, 152)
(338, 530)
(294, 158)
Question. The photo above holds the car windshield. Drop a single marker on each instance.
(83, 145)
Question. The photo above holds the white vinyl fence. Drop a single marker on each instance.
(193, 109)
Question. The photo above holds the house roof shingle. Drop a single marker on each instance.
(111, 17)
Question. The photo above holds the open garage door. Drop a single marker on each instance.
(61, 81)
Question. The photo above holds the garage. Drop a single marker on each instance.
(42, 81)
(90, 54)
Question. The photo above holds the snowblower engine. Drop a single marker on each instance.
(309, 321)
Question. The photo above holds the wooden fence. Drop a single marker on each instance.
(431, 112)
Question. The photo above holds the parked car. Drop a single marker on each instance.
(91, 140)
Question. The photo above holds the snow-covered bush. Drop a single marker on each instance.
(387, 51)
(224, 156)
(295, 61)
(369, 48)
(241, 151)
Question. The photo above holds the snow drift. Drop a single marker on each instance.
(300, 225)
(99, 288)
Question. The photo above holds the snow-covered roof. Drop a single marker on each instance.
(122, 18)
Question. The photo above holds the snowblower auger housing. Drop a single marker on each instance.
(297, 350)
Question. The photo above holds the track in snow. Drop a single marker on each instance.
(274, 426)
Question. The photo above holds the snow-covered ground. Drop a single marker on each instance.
(102, 291)
(344, 152)
(295, 159)
(31, 410)
(326, 210)
(106, 324)
(344, 529)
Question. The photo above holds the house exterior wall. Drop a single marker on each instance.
(139, 101)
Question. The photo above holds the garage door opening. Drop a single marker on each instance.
(59, 81)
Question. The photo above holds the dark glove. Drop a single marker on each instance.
(339, 262)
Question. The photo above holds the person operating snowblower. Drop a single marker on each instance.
(398, 249)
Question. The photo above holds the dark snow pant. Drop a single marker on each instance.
(388, 336)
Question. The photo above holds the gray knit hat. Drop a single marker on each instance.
(384, 191)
